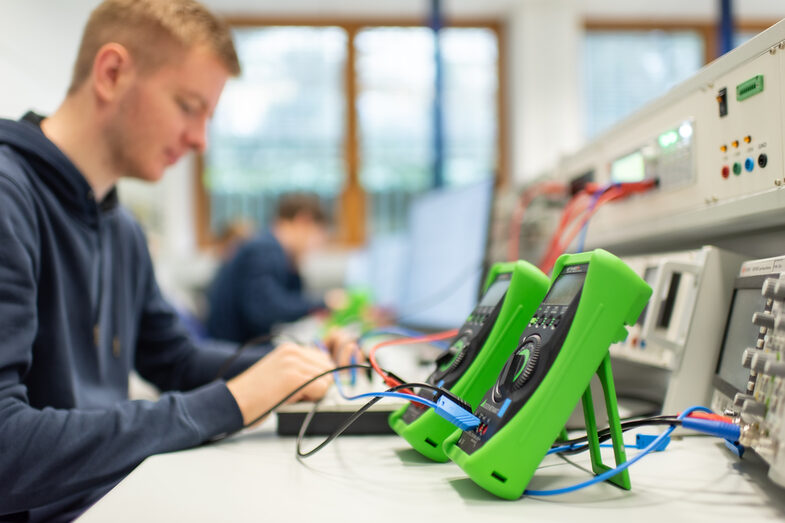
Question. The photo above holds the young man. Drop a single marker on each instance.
(260, 286)
(79, 305)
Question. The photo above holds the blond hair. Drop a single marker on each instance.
(153, 31)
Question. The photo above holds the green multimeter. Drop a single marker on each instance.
(592, 297)
(476, 354)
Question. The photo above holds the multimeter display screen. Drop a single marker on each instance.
(494, 293)
(565, 288)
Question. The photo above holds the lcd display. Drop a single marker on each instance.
(494, 293)
(741, 333)
(630, 168)
(565, 288)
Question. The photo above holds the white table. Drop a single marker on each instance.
(255, 476)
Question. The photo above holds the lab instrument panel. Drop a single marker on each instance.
(749, 382)
(677, 331)
(713, 143)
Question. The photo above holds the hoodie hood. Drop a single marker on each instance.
(52, 167)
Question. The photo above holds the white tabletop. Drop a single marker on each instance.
(255, 476)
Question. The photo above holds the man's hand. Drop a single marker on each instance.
(343, 347)
(270, 379)
(336, 299)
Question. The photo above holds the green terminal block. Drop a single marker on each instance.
(476, 355)
(592, 297)
(749, 88)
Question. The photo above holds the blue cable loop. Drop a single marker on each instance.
(352, 361)
(609, 474)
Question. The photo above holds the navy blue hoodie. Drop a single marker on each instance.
(80, 308)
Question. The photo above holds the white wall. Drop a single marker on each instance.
(544, 84)
(38, 42)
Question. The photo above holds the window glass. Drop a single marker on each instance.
(280, 126)
(395, 69)
(623, 70)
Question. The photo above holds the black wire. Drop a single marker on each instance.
(351, 419)
(231, 359)
(654, 420)
(301, 387)
(292, 393)
(605, 434)
(250, 343)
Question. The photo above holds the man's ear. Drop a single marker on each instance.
(111, 68)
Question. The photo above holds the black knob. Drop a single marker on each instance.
(524, 362)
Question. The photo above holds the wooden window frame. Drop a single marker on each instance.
(351, 215)
(707, 29)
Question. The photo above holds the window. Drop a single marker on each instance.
(627, 64)
(625, 69)
(279, 128)
(286, 123)
(395, 71)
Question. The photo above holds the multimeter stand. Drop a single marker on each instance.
(605, 375)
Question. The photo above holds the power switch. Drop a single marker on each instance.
(722, 101)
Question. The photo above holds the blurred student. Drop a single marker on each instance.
(260, 285)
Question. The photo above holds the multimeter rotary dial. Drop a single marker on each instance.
(454, 355)
(524, 361)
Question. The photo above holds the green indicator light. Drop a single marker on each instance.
(737, 168)
(668, 139)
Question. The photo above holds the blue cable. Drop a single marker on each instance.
(444, 407)
(410, 397)
(609, 474)
(340, 387)
(563, 448)
(352, 361)
(594, 198)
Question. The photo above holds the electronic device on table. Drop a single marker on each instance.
(676, 334)
(750, 374)
(475, 356)
(334, 409)
(592, 297)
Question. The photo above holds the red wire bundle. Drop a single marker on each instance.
(580, 206)
(389, 380)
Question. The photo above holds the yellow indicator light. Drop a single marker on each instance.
(747, 139)
(735, 143)
(723, 148)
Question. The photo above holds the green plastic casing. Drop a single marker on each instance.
(612, 296)
(527, 288)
